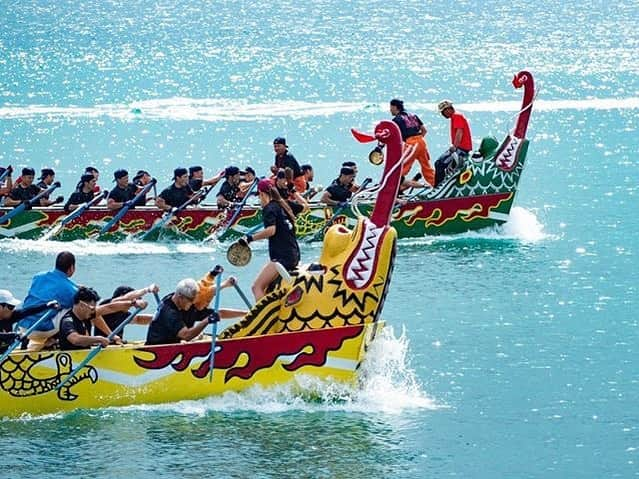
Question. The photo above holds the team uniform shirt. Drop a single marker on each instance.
(174, 196)
(122, 195)
(166, 324)
(228, 192)
(282, 246)
(287, 194)
(78, 198)
(24, 194)
(69, 324)
(45, 287)
(339, 192)
(457, 121)
(288, 161)
(409, 124)
(113, 320)
(196, 184)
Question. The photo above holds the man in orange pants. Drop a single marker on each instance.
(413, 132)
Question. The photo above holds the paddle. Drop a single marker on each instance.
(48, 315)
(319, 233)
(237, 211)
(242, 295)
(96, 349)
(216, 308)
(28, 204)
(172, 212)
(74, 214)
(6, 173)
(127, 206)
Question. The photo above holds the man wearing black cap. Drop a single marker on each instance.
(178, 193)
(197, 181)
(140, 180)
(25, 191)
(83, 194)
(283, 160)
(47, 177)
(339, 192)
(230, 189)
(123, 191)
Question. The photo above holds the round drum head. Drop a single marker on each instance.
(239, 254)
(376, 157)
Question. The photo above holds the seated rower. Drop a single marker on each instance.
(91, 170)
(353, 166)
(246, 181)
(178, 319)
(140, 180)
(125, 294)
(26, 191)
(47, 177)
(10, 314)
(307, 171)
(83, 194)
(75, 325)
(339, 191)
(178, 193)
(122, 193)
(228, 194)
(286, 189)
(197, 181)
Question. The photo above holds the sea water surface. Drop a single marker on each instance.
(509, 352)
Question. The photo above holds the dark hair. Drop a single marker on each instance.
(121, 291)
(398, 103)
(64, 261)
(91, 169)
(86, 294)
(306, 168)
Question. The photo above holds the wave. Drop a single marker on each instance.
(224, 110)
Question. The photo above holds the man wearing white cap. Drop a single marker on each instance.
(9, 315)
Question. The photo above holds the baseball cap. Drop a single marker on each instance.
(179, 172)
(231, 171)
(7, 298)
(140, 174)
(264, 185)
(279, 141)
(28, 172)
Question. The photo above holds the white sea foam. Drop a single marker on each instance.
(214, 110)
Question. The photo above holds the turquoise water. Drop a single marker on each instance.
(511, 352)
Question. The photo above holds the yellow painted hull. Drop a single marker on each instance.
(138, 374)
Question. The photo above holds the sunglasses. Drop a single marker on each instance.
(10, 307)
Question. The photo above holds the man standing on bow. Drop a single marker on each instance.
(283, 160)
(460, 139)
(413, 133)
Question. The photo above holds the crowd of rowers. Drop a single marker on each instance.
(292, 181)
(80, 320)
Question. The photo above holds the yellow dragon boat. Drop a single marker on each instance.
(320, 322)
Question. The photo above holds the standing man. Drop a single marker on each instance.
(283, 160)
(178, 193)
(413, 133)
(460, 139)
(123, 191)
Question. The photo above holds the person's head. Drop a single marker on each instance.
(308, 172)
(232, 175)
(185, 293)
(28, 174)
(47, 175)
(181, 177)
(65, 262)
(7, 304)
(196, 173)
(121, 177)
(92, 171)
(350, 164)
(249, 174)
(346, 175)
(279, 145)
(446, 108)
(87, 182)
(121, 291)
(142, 178)
(84, 303)
(396, 106)
(280, 178)
(268, 192)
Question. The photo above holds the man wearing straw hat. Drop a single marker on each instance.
(460, 139)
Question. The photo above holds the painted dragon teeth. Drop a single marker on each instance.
(360, 269)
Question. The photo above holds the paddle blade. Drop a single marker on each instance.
(239, 254)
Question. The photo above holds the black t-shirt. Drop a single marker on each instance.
(113, 320)
(166, 324)
(338, 191)
(70, 323)
(228, 191)
(24, 194)
(122, 195)
(288, 161)
(287, 194)
(409, 124)
(78, 198)
(282, 246)
(175, 197)
(195, 184)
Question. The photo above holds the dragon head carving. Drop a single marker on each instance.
(349, 284)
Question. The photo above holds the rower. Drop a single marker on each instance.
(123, 191)
(26, 191)
(75, 325)
(130, 295)
(140, 180)
(307, 170)
(91, 170)
(339, 191)
(47, 177)
(353, 166)
(246, 182)
(7, 185)
(197, 181)
(82, 195)
(287, 191)
(178, 193)
(229, 191)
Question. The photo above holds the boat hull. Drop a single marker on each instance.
(138, 374)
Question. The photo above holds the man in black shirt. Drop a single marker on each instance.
(140, 180)
(83, 194)
(283, 159)
(75, 325)
(178, 193)
(229, 191)
(47, 177)
(171, 322)
(123, 191)
(197, 181)
(25, 190)
(339, 192)
(125, 293)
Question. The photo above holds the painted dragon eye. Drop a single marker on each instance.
(294, 296)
